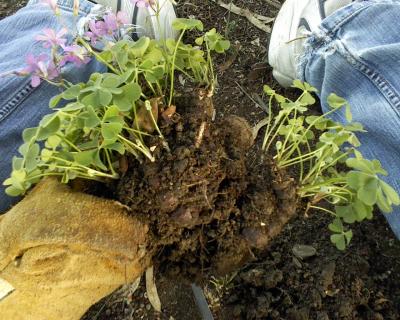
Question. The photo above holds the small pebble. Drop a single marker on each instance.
(303, 251)
(148, 307)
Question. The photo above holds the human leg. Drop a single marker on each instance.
(354, 53)
(24, 106)
(21, 105)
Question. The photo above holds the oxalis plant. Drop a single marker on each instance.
(93, 124)
(324, 152)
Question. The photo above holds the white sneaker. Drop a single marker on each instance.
(144, 18)
(296, 20)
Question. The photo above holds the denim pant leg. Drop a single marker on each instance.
(22, 106)
(356, 54)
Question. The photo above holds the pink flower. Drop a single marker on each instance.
(110, 24)
(39, 69)
(75, 54)
(96, 31)
(122, 18)
(143, 3)
(52, 39)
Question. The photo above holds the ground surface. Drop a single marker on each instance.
(361, 283)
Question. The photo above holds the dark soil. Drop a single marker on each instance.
(360, 283)
(207, 208)
(8, 7)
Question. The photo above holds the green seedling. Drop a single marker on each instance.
(318, 147)
(95, 123)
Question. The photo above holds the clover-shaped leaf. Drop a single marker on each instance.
(187, 24)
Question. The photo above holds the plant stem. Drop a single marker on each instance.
(323, 209)
(171, 94)
(97, 56)
(294, 146)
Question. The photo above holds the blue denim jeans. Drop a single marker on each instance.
(22, 106)
(356, 54)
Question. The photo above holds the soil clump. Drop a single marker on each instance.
(208, 209)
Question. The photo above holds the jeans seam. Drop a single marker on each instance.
(375, 77)
(319, 39)
(344, 20)
(16, 100)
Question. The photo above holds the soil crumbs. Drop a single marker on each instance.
(316, 282)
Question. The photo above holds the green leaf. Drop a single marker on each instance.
(357, 179)
(155, 74)
(73, 106)
(130, 94)
(29, 133)
(382, 202)
(48, 126)
(222, 45)
(18, 178)
(199, 41)
(110, 131)
(106, 55)
(336, 226)
(53, 141)
(117, 146)
(154, 53)
(334, 101)
(14, 191)
(361, 164)
(111, 80)
(362, 211)
(91, 118)
(138, 48)
(72, 92)
(348, 115)
(98, 98)
(307, 99)
(339, 241)
(377, 167)
(105, 97)
(97, 161)
(346, 213)
(85, 158)
(348, 235)
(17, 163)
(299, 85)
(7, 182)
(46, 155)
(187, 24)
(368, 192)
(31, 157)
(390, 193)
(112, 115)
(55, 101)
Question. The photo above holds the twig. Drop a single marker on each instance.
(248, 95)
(276, 5)
(258, 127)
(199, 137)
(261, 22)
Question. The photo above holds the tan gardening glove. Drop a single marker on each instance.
(62, 251)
